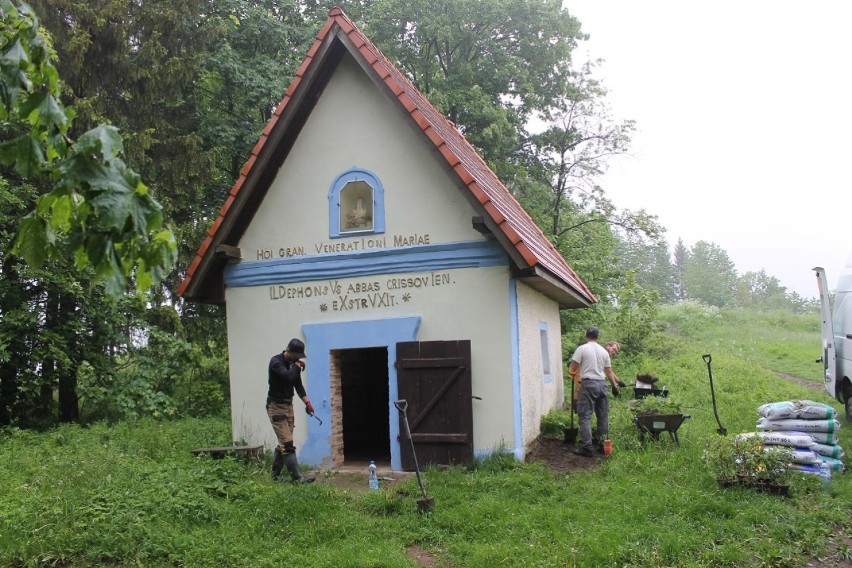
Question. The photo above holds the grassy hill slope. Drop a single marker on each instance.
(132, 493)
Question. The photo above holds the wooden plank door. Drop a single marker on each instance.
(434, 378)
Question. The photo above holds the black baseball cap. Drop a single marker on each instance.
(297, 348)
(592, 332)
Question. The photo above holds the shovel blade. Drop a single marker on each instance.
(425, 505)
(571, 435)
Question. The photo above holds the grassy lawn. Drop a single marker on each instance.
(133, 495)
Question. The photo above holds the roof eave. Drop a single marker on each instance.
(554, 288)
(251, 186)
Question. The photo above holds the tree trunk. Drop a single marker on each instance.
(8, 392)
(69, 407)
(8, 369)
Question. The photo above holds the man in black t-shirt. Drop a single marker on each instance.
(285, 380)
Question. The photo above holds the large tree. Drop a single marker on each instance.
(493, 67)
(80, 217)
(191, 83)
(710, 275)
(487, 65)
(760, 291)
(564, 165)
(651, 265)
(573, 152)
(681, 256)
(93, 207)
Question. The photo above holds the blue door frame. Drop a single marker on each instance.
(323, 338)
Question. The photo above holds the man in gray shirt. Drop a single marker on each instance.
(594, 365)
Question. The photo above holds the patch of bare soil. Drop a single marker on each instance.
(421, 556)
(800, 381)
(559, 456)
(838, 556)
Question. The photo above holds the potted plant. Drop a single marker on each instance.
(719, 457)
(744, 460)
(771, 469)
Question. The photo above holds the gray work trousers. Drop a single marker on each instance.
(593, 398)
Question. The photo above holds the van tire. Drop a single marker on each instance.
(849, 410)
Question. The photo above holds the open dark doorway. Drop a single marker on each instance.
(365, 395)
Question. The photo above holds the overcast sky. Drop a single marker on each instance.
(744, 125)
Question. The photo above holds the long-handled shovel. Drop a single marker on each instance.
(571, 432)
(722, 430)
(426, 503)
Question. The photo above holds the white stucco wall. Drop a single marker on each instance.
(540, 393)
(470, 304)
(354, 125)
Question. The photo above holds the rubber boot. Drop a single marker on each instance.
(293, 467)
(277, 464)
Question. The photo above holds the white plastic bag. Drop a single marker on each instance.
(798, 425)
(807, 409)
(830, 450)
(792, 439)
(805, 456)
(824, 437)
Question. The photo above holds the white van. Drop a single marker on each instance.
(837, 336)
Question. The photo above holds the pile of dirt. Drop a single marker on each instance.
(559, 456)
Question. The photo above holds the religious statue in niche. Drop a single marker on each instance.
(356, 206)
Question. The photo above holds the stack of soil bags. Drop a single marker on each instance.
(809, 427)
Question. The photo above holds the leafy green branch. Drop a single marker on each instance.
(97, 209)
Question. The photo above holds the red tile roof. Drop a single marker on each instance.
(538, 261)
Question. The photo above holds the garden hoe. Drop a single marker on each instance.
(722, 430)
(312, 415)
(425, 504)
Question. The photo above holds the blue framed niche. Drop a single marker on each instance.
(356, 204)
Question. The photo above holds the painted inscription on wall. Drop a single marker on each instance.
(358, 295)
(334, 247)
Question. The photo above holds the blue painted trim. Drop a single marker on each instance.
(423, 258)
(355, 174)
(516, 370)
(323, 338)
(547, 372)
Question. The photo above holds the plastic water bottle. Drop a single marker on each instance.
(374, 478)
(825, 475)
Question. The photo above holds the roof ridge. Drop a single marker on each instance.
(515, 222)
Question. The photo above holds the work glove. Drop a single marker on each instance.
(621, 383)
(615, 392)
(309, 408)
(300, 363)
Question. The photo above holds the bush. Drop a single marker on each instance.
(555, 422)
(745, 457)
(656, 405)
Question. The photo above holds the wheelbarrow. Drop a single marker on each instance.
(654, 424)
